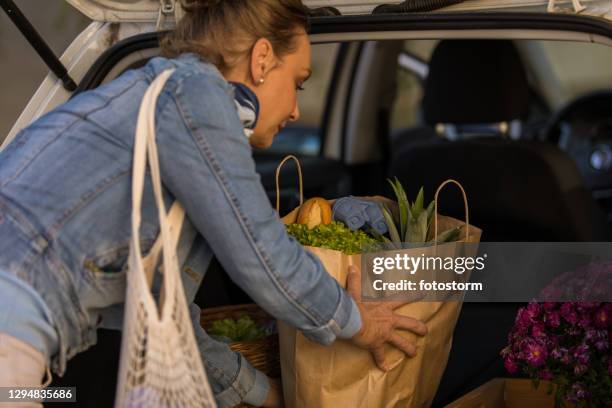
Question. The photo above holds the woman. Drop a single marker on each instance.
(65, 185)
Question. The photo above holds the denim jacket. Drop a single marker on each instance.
(65, 206)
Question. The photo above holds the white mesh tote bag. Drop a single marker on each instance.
(160, 362)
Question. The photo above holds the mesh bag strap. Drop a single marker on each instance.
(157, 366)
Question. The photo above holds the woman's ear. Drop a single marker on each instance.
(263, 60)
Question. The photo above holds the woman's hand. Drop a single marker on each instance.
(380, 322)
(275, 395)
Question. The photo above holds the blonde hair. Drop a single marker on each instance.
(224, 31)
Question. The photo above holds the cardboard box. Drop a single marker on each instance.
(507, 393)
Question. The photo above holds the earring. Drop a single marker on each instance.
(261, 80)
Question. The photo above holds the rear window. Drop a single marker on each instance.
(559, 71)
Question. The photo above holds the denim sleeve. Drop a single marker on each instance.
(207, 165)
(232, 378)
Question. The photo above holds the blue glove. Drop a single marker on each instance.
(356, 213)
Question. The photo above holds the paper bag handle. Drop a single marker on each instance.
(278, 168)
(465, 202)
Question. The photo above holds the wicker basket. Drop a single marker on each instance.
(262, 354)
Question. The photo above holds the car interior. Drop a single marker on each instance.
(424, 110)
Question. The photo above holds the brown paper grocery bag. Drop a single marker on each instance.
(343, 375)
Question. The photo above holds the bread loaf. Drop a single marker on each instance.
(315, 211)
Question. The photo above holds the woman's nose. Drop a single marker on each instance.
(295, 115)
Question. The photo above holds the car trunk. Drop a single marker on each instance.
(323, 176)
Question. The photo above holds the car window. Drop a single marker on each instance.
(561, 68)
(304, 136)
(411, 72)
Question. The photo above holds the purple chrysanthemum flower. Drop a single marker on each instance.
(581, 354)
(566, 359)
(552, 342)
(601, 345)
(562, 340)
(579, 391)
(549, 305)
(510, 365)
(586, 306)
(538, 331)
(568, 313)
(553, 318)
(524, 319)
(533, 309)
(580, 369)
(602, 317)
(585, 321)
(560, 353)
(591, 335)
(535, 354)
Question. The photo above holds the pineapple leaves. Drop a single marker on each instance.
(409, 230)
(402, 203)
(449, 235)
(417, 207)
(390, 224)
(422, 222)
(378, 236)
(430, 210)
(414, 220)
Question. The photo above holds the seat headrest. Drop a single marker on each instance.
(475, 81)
